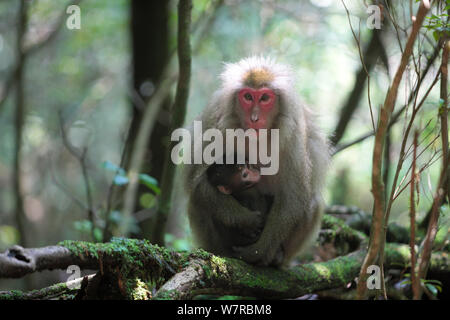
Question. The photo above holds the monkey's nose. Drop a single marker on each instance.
(244, 175)
(254, 117)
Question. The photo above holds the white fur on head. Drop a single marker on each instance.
(234, 73)
(233, 79)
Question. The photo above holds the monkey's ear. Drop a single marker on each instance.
(224, 189)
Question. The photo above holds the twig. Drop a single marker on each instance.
(396, 115)
(52, 292)
(412, 216)
(106, 232)
(392, 198)
(35, 48)
(373, 50)
(362, 62)
(80, 155)
(441, 190)
(67, 192)
(400, 189)
(376, 239)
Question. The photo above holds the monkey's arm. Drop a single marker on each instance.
(291, 213)
(279, 226)
(224, 209)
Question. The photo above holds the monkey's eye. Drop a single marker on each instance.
(240, 168)
(248, 97)
(265, 97)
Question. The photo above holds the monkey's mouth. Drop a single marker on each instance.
(261, 124)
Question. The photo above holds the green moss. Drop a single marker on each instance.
(201, 254)
(140, 265)
(138, 290)
(167, 295)
(81, 248)
(322, 271)
(219, 266)
(12, 295)
(207, 270)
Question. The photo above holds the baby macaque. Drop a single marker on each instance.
(239, 181)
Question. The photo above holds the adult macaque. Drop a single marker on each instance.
(258, 93)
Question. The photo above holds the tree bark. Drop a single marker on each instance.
(149, 30)
(178, 112)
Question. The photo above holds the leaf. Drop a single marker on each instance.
(98, 234)
(436, 35)
(8, 235)
(182, 245)
(83, 226)
(433, 282)
(147, 200)
(112, 167)
(115, 216)
(405, 282)
(120, 180)
(149, 182)
(432, 288)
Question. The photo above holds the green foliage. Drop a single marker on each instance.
(8, 236)
(121, 179)
(147, 200)
(85, 228)
(439, 24)
(116, 219)
(179, 244)
(434, 286)
(149, 182)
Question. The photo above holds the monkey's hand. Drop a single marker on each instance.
(279, 257)
(253, 232)
(265, 251)
(256, 253)
(250, 222)
(225, 209)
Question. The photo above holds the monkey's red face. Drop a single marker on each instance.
(258, 106)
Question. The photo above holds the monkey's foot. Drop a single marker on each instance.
(253, 255)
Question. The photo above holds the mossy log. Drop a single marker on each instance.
(136, 269)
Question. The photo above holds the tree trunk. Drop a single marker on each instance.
(150, 52)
